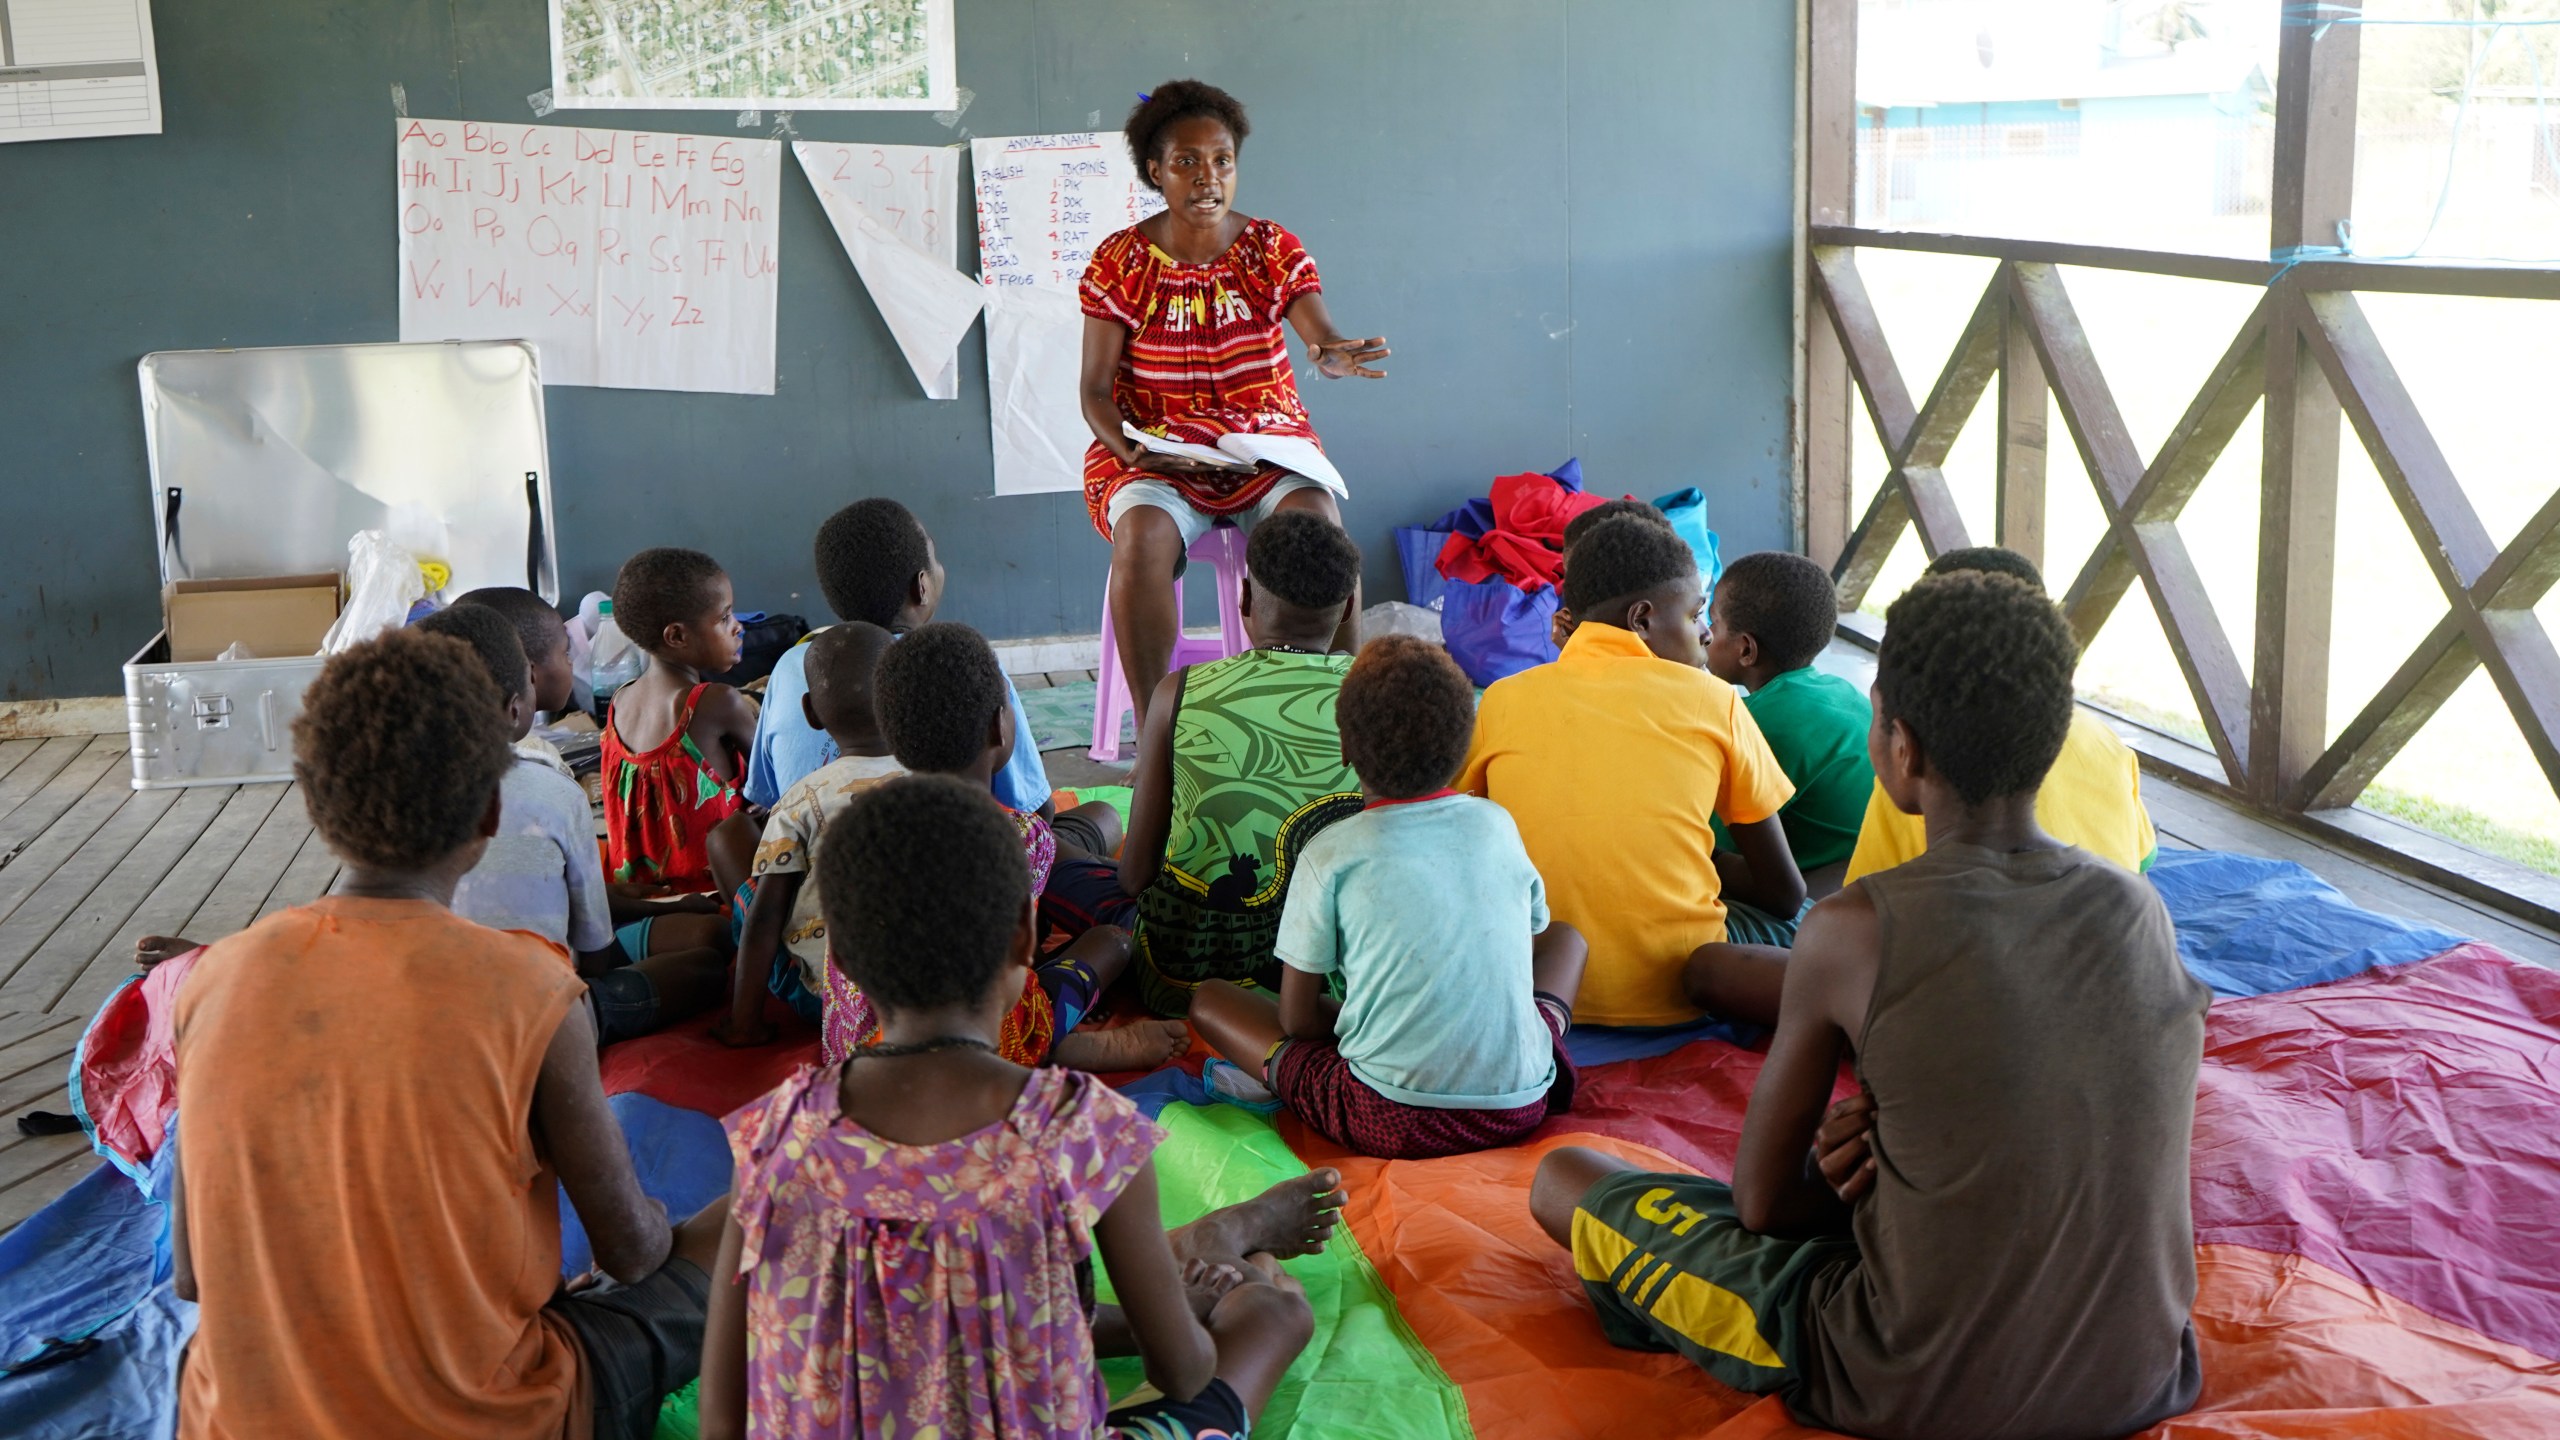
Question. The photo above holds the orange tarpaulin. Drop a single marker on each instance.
(2291, 1348)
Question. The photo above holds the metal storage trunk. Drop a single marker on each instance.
(266, 462)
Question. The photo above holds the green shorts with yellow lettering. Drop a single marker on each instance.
(1669, 1267)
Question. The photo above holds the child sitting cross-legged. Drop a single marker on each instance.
(379, 1106)
(942, 701)
(783, 948)
(911, 1234)
(1238, 768)
(1616, 760)
(540, 873)
(675, 746)
(1993, 1240)
(1456, 991)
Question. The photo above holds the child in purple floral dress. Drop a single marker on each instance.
(909, 1248)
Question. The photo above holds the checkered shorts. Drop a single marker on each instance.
(1319, 1086)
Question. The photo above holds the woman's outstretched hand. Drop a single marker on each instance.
(1335, 359)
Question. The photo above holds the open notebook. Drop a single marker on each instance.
(1243, 453)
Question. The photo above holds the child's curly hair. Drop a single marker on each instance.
(1406, 713)
(1173, 102)
(1979, 667)
(399, 749)
(867, 555)
(1304, 559)
(539, 628)
(922, 883)
(491, 636)
(662, 587)
(1783, 600)
(1621, 557)
(935, 694)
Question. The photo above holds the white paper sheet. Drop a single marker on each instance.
(1044, 202)
(896, 208)
(71, 69)
(752, 55)
(630, 259)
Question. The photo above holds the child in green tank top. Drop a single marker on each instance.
(1239, 768)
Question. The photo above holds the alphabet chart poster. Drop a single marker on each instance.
(1044, 202)
(630, 259)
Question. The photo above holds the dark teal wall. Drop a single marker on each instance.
(1570, 217)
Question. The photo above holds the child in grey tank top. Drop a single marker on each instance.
(1992, 1237)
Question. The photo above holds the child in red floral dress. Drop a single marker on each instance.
(675, 747)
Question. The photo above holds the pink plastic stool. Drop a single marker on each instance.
(1222, 550)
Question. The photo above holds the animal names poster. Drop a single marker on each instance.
(1044, 202)
(631, 259)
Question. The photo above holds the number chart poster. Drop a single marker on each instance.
(895, 207)
(630, 259)
(1044, 202)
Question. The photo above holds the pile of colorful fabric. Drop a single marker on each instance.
(2376, 1185)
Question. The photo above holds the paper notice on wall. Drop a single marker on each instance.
(1044, 202)
(630, 259)
(71, 69)
(896, 208)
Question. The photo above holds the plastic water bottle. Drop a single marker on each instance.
(613, 660)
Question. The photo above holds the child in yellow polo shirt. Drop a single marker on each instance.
(1616, 760)
(2091, 798)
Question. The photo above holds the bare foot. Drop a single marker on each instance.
(1140, 1046)
(1294, 1217)
(150, 950)
(1204, 1284)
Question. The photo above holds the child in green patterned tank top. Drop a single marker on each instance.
(1239, 768)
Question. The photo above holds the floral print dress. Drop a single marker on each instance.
(661, 805)
(926, 1290)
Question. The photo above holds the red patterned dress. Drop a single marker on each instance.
(1205, 358)
(661, 805)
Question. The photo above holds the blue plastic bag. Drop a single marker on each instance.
(1418, 547)
(1687, 512)
(1493, 628)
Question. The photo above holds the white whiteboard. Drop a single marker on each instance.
(1044, 202)
(629, 259)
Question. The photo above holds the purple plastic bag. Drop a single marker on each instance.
(1493, 628)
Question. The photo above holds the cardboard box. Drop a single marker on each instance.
(276, 616)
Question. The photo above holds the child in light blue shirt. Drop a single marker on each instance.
(876, 563)
(1424, 994)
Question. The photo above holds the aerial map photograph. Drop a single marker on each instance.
(813, 53)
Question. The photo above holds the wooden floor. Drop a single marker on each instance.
(88, 865)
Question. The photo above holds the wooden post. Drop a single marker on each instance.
(2298, 514)
(1831, 153)
(2019, 485)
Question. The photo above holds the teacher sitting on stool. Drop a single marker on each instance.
(1182, 340)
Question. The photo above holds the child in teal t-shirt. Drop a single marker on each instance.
(1455, 989)
(1773, 613)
